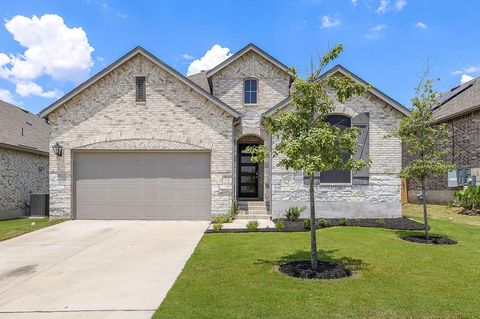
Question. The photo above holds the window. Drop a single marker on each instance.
(250, 88)
(336, 176)
(140, 93)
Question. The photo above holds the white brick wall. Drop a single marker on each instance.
(273, 87)
(107, 111)
(381, 198)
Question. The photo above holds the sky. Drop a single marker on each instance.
(48, 47)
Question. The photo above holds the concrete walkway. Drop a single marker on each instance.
(94, 269)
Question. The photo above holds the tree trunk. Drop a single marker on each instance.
(313, 234)
(424, 202)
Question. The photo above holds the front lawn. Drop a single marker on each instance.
(16, 227)
(440, 212)
(234, 276)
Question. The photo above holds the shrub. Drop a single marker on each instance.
(343, 221)
(293, 213)
(234, 209)
(322, 222)
(307, 223)
(380, 222)
(279, 224)
(217, 227)
(252, 225)
(469, 197)
(222, 219)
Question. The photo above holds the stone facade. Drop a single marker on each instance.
(464, 144)
(21, 173)
(107, 111)
(273, 87)
(379, 199)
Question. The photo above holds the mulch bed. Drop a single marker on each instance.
(470, 212)
(325, 270)
(434, 240)
(297, 226)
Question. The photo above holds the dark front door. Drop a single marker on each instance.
(247, 173)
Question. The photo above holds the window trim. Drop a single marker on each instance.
(137, 78)
(243, 90)
(351, 171)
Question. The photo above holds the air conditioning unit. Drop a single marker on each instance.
(39, 205)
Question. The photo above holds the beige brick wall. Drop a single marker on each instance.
(381, 198)
(107, 111)
(21, 173)
(273, 87)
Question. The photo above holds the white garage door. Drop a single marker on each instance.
(142, 185)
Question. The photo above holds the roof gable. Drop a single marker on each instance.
(338, 69)
(20, 129)
(246, 49)
(138, 50)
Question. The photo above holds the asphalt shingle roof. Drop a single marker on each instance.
(201, 80)
(22, 129)
(458, 100)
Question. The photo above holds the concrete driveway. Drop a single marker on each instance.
(94, 269)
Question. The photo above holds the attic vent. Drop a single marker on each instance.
(140, 89)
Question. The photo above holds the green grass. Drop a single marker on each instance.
(234, 276)
(16, 227)
(440, 212)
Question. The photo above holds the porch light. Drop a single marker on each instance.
(57, 149)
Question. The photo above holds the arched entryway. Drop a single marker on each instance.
(250, 176)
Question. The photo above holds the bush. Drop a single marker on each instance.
(469, 197)
(217, 227)
(234, 209)
(279, 224)
(343, 221)
(380, 222)
(322, 222)
(222, 219)
(307, 223)
(293, 213)
(252, 225)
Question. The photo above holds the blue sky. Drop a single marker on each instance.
(386, 42)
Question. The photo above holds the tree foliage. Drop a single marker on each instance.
(304, 140)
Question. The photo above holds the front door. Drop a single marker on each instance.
(247, 173)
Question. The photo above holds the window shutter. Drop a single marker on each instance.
(361, 121)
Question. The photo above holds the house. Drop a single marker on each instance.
(23, 159)
(459, 109)
(142, 141)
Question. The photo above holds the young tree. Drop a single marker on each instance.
(306, 141)
(425, 140)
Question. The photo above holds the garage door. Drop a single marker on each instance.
(142, 185)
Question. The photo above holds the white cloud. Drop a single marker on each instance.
(187, 56)
(399, 4)
(354, 2)
(467, 70)
(421, 25)
(27, 88)
(330, 22)
(52, 49)
(6, 96)
(212, 57)
(465, 78)
(382, 8)
(376, 31)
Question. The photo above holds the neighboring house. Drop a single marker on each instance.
(459, 108)
(23, 159)
(142, 141)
